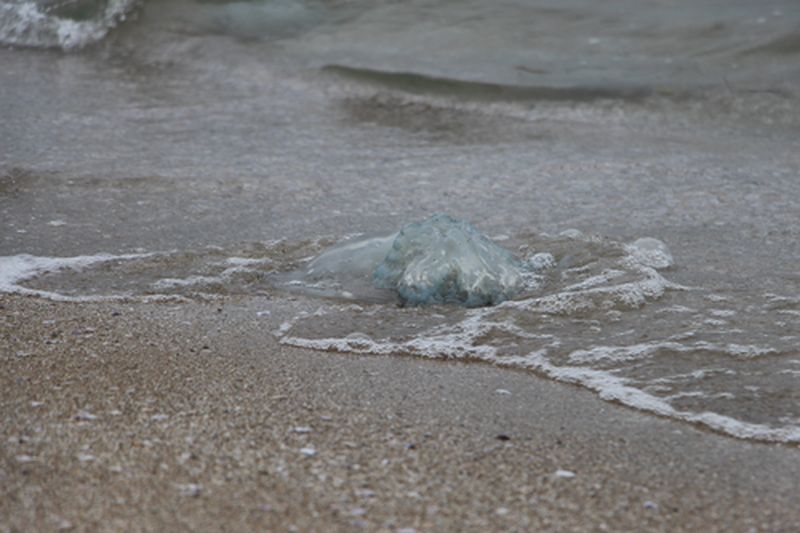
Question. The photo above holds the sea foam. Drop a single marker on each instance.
(16, 269)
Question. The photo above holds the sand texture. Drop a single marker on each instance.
(190, 416)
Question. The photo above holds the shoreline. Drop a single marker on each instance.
(192, 416)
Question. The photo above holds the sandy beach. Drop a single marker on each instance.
(124, 416)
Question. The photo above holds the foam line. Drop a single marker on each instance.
(16, 269)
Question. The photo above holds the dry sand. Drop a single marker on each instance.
(191, 416)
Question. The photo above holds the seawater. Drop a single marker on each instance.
(187, 151)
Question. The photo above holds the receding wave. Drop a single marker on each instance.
(473, 90)
(783, 45)
(602, 314)
(65, 25)
(605, 317)
(725, 101)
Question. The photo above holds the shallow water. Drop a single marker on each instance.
(209, 146)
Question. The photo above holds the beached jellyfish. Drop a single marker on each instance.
(439, 260)
(444, 260)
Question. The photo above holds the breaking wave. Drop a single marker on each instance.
(65, 25)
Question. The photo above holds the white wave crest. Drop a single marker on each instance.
(15, 269)
(27, 23)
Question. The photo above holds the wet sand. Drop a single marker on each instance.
(121, 416)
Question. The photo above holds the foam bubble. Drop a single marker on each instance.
(650, 252)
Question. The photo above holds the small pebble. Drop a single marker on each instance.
(25, 459)
(309, 452)
(159, 417)
(85, 416)
(301, 429)
(190, 489)
(86, 457)
(650, 505)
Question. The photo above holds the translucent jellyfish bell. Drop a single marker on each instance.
(444, 260)
(439, 260)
